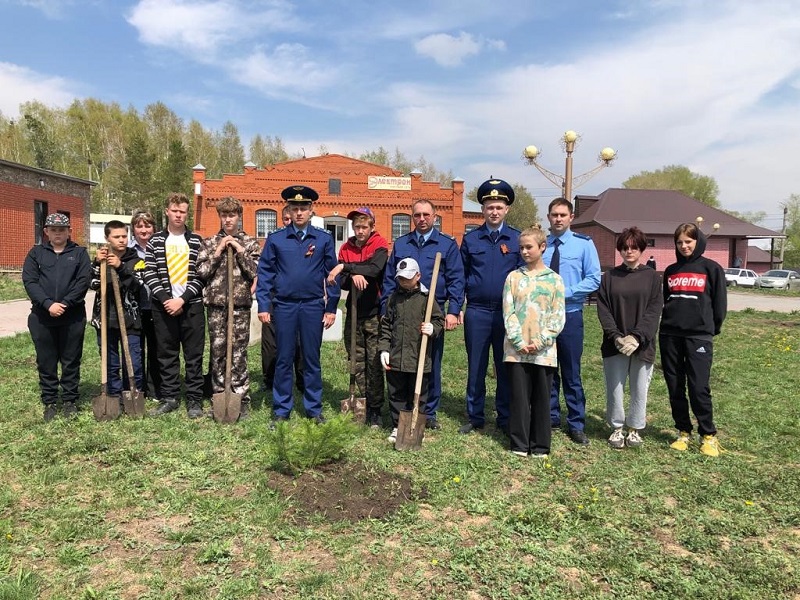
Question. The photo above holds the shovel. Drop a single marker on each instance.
(410, 428)
(133, 400)
(104, 407)
(227, 405)
(357, 406)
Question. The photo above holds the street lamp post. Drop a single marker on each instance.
(567, 182)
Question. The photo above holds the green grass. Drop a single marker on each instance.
(11, 288)
(170, 508)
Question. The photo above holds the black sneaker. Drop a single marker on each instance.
(274, 423)
(469, 428)
(69, 410)
(194, 410)
(374, 420)
(165, 406)
(432, 423)
(50, 412)
(578, 437)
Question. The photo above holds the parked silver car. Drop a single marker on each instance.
(779, 279)
(744, 277)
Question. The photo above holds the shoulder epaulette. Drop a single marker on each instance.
(321, 229)
(447, 236)
(582, 236)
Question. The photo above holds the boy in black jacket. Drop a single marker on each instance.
(695, 304)
(402, 328)
(56, 275)
(129, 268)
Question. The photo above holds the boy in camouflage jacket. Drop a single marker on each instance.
(212, 268)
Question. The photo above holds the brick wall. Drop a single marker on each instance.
(20, 188)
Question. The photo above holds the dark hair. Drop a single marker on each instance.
(229, 204)
(688, 229)
(287, 210)
(560, 202)
(632, 236)
(114, 225)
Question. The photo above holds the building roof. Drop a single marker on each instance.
(470, 206)
(658, 212)
(39, 171)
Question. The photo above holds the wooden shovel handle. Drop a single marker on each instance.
(353, 325)
(229, 345)
(424, 343)
(123, 331)
(103, 324)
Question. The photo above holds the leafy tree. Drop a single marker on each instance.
(40, 137)
(376, 157)
(749, 216)
(201, 148)
(138, 184)
(13, 145)
(231, 152)
(267, 151)
(405, 165)
(175, 173)
(791, 253)
(523, 213)
(678, 178)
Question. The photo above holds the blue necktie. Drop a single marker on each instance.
(301, 234)
(555, 260)
(493, 236)
(421, 240)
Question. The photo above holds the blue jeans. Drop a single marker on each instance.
(117, 384)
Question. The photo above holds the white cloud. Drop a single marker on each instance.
(202, 29)
(20, 84)
(450, 51)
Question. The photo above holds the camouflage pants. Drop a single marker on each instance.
(369, 373)
(217, 333)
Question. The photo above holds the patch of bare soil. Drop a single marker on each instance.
(344, 491)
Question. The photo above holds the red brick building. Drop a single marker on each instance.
(657, 213)
(343, 184)
(27, 196)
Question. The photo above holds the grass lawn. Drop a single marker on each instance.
(11, 287)
(170, 508)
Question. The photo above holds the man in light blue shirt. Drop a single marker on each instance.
(574, 257)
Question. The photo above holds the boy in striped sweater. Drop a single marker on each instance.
(177, 305)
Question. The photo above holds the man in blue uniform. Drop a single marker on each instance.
(422, 244)
(489, 254)
(291, 289)
(574, 257)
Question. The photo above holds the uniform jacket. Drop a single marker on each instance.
(487, 263)
(450, 284)
(213, 270)
(579, 266)
(695, 296)
(291, 270)
(130, 274)
(400, 335)
(629, 303)
(156, 275)
(49, 277)
(369, 261)
(533, 309)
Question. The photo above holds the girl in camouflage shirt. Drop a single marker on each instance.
(533, 312)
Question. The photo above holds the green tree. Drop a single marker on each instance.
(39, 125)
(749, 216)
(138, 185)
(267, 151)
(406, 165)
(523, 213)
(678, 178)
(231, 152)
(791, 253)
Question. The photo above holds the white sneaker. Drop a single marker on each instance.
(393, 436)
(617, 439)
(634, 440)
(520, 453)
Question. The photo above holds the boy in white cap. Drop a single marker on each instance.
(402, 327)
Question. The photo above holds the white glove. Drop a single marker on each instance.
(619, 343)
(427, 329)
(385, 361)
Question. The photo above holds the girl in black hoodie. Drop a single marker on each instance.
(695, 303)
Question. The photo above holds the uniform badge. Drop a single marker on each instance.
(310, 251)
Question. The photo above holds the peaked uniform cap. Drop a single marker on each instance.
(496, 189)
(299, 194)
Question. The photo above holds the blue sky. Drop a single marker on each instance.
(713, 85)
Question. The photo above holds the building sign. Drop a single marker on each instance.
(384, 182)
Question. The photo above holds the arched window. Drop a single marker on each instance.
(437, 223)
(266, 222)
(401, 225)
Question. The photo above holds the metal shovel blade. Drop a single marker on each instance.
(133, 403)
(226, 406)
(105, 407)
(409, 434)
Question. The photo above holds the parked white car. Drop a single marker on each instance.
(779, 279)
(744, 277)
